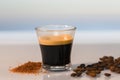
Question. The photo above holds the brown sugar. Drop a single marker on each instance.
(29, 67)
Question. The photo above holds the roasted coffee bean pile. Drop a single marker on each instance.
(93, 70)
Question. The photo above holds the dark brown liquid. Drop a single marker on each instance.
(56, 55)
(56, 49)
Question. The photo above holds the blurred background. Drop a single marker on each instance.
(86, 15)
(97, 21)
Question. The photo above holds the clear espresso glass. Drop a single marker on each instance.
(55, 44)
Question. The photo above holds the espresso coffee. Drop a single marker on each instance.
(56, 49)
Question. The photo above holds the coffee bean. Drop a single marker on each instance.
(107, 74)
(73, 74)
(82, 65)
(92, 74)
(78, 74)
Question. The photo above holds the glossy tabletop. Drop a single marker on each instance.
(17, 48)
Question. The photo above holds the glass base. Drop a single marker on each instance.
(57, 68)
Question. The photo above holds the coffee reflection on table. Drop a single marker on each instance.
(58, 76)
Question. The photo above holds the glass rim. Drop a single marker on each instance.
(47, 28)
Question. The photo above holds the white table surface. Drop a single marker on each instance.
(20, 47)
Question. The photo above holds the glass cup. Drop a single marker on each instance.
(56, 43)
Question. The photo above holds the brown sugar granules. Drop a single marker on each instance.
(29, 67)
